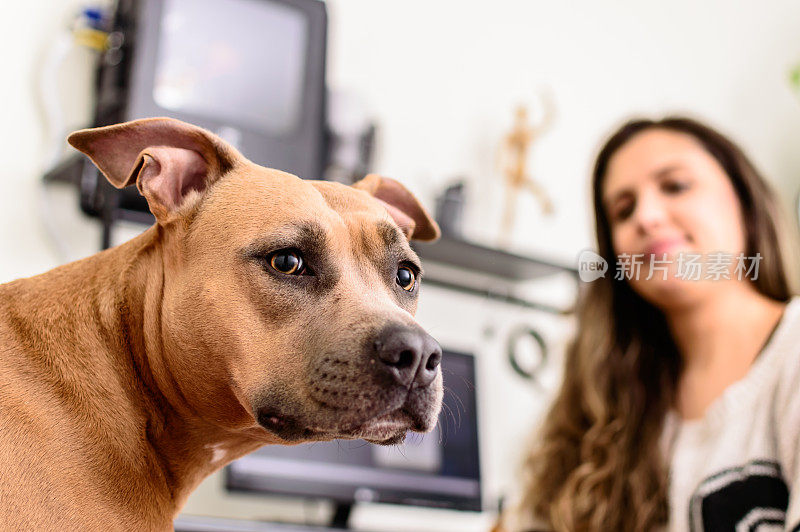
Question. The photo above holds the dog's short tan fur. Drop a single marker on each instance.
(129, 376)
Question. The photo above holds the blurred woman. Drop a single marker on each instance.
(680, 404)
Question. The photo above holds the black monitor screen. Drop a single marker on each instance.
(439, 469)
(239, 61)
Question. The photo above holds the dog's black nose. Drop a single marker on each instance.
(408, 354)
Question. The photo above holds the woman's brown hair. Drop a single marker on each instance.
(597, 464)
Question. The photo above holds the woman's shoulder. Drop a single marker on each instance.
(773, 380)
(786, 347)
(786, 402)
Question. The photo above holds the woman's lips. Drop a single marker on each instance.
(660, 247)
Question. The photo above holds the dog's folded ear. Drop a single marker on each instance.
(403, 207)
(166, 158)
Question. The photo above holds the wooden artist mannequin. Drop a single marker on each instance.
(514, 158)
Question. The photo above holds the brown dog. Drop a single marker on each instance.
(259, 309)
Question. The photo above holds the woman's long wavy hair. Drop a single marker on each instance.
(597, 464)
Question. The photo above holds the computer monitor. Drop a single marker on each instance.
(252, 71)
(439, 469)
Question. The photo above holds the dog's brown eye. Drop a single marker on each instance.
(406, 278)
(287, 261)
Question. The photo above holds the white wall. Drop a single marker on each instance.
(442, 79)
(28, 33)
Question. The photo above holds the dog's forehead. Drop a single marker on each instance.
(267, 199)
(343, 199)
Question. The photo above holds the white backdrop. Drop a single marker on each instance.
(441, 79)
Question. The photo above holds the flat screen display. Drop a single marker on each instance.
(439, 469)
(237, 61)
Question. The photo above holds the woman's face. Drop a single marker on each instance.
(663, 193)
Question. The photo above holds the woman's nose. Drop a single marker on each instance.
(650, 213)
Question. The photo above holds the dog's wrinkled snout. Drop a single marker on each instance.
(408, 355)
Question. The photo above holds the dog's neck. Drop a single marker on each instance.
(189, 445)
(151, 442)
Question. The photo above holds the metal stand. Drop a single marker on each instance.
(341, 516)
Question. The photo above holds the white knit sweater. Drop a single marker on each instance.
(738, 467)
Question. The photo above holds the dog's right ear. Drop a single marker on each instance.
(167, 158)
(406, 211)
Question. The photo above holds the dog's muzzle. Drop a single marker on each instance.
(385, 388)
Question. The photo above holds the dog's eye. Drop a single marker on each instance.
(288, 261)
(406, 278)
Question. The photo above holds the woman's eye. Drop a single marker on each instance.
(675, 186)
(623, 212)
(406, 278)
(288, 261)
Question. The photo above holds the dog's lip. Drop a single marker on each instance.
(378, 427)
(386, 426)
(385, 423)
(287, 427)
